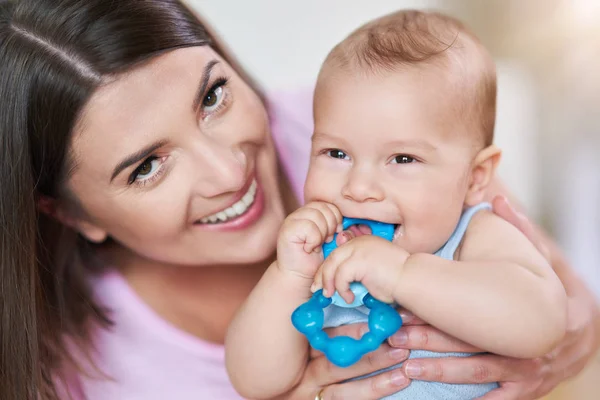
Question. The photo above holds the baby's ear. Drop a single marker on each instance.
(482, 172)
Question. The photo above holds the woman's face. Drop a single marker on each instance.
(175, 161)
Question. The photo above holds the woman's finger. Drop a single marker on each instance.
(475, 369)
(375, 387)
(512, 391)
(426, 337)
(408, 318)
(324, 373)
(355, 331)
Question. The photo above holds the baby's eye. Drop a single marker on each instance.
(337, 154)
(403, 159)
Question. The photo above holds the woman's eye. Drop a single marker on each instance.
(213, 98)
(337, 154)
(403, 159)
(146, 170)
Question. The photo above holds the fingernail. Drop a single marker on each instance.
(326, 292)
(398, 354)
(406, 316)
(329, 239)
(399, 338)
(413, 369)
(398, 378)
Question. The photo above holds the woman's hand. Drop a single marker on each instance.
(327, 380)
(518, 378)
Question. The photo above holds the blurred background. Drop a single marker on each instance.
(548, 124)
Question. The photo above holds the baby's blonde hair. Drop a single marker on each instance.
(411, 37)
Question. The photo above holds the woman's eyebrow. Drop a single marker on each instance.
(136, 157)
(203, 84)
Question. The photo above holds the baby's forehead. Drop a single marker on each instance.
(424, 102)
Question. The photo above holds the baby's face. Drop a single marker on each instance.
(390, 147)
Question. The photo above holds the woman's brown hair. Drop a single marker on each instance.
(53, 55)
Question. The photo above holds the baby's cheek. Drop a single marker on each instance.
(318, 186)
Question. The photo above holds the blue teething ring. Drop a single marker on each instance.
(384, 320)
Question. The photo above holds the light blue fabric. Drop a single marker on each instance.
(421, 390)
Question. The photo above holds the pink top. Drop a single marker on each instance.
(145, 357)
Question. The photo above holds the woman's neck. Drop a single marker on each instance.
(199, 300)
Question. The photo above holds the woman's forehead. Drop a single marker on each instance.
(169, 70)
(132, 109)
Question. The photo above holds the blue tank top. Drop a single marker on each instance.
(421, 390)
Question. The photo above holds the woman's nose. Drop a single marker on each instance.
(221, 169)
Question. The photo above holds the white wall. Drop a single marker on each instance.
(282, 44)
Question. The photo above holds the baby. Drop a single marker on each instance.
(404, 118)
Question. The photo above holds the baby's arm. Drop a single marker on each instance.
(512, 301)
(265, 355)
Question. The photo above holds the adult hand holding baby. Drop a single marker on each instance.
(519, 378)
(322, 380)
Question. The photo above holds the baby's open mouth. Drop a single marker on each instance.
(398, 231)
(360, 230)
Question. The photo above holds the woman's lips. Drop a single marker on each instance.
(254, 205)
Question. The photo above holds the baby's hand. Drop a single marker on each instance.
(374, 261)
(302, 235)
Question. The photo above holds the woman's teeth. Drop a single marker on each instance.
(235, 210)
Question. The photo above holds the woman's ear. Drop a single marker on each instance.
(58, 211)
(482, 172)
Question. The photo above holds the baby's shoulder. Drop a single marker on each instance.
(490, 236)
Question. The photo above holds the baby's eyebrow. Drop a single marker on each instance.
(322, 136)
(412, 143)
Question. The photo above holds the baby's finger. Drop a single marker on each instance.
(317, 216)
(338, 216)
(329, 268)
(345, 275)
(344, 237)
(318, 281)
(304, 232)
(329, 214)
